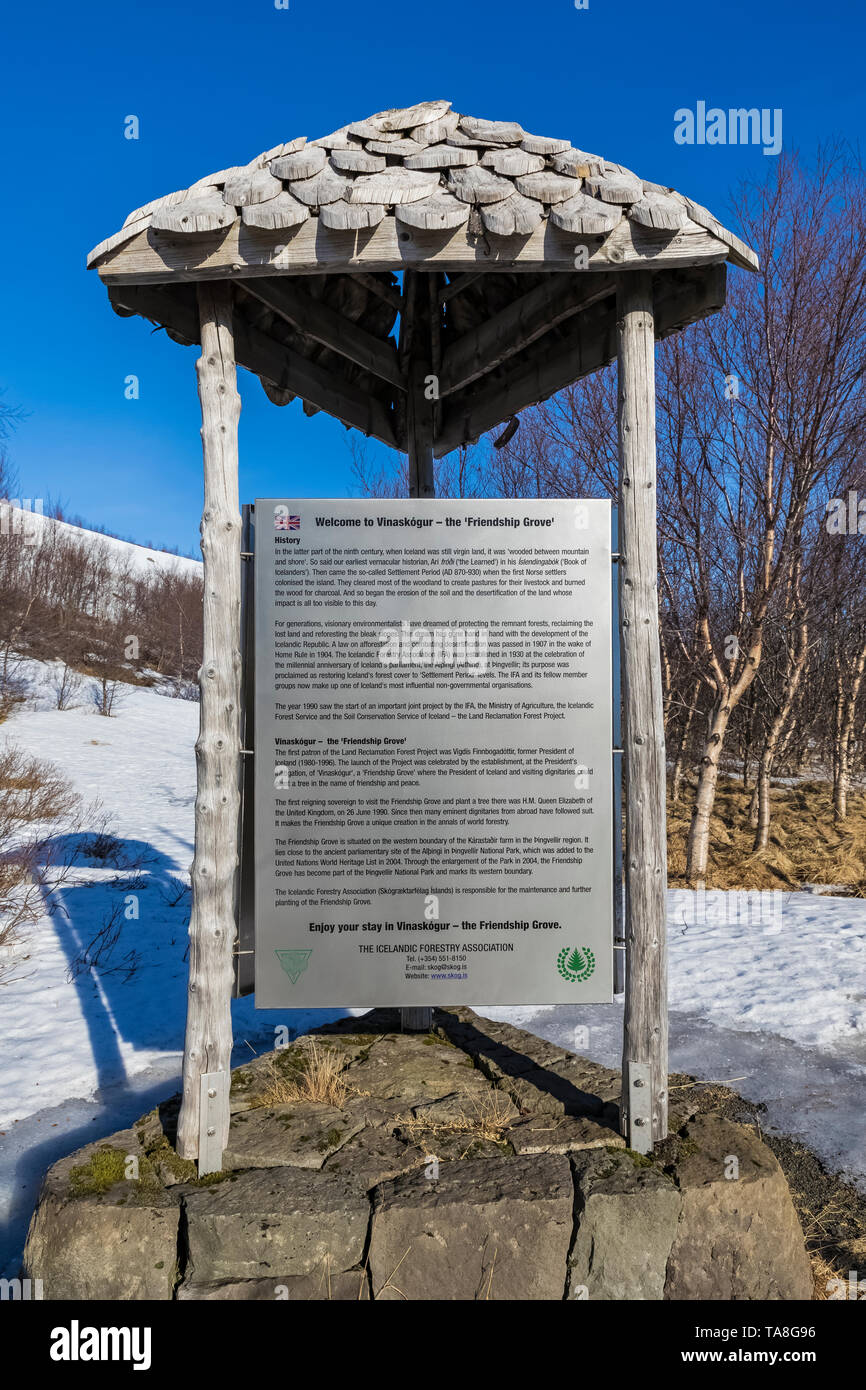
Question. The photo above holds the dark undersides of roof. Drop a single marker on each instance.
(489, 343)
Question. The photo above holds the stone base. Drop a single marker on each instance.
(478, 1162)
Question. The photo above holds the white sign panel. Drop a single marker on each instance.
(433, 753)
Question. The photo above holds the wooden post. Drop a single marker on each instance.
(645, 1033)
(415, 346)
(204, 1115)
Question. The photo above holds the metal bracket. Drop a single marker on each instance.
(638, 1078)
(213, 1120)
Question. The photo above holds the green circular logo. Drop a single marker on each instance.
(575, 963)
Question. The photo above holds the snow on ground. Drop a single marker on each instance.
(67, 1037)
(767, 991)
(28, 522)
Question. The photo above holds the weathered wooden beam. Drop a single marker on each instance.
(311, 248)
(319, 321)
(457, 286)
(416, 346)
(389, 293)
(201, 1133)
(315, 384)
(589, 344)
(264, 356)
(645, 1030)
(416, 342)
(517, 325)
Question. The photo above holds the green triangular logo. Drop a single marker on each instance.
(294, 962)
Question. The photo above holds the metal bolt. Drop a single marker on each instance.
(212, 1132)
(640, 1083)
(640, 1121)
(211, 1094)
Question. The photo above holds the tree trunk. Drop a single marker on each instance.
(846, 704)
(698, 847)
(682, 750)
(208, 1044)
(645, 1030)
(773, 739)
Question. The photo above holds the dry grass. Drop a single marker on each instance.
(822, 1274)
(31, 789)
(488, 1119)
(33, 794)
(804, 844)
(825, 1273)
(318, 1077)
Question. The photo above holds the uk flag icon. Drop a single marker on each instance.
(285, 521)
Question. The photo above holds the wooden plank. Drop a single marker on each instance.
(318, 320)
(251, 187)
(432, 132)
(658, 210)
(440, 210)
(645, 1030)
(325, 187)
(301, 164)
(316, 385)
(264, 356)
(589, 345)
(208, 1042)
(311, 249)
(457, 286)
(397, 148)
(514, 216)
(578, 163)
(194, 217)
(126, 233)
(616, 187)
(159, 305)
(415, 353)
(389, 294)
(407, 117)
(516, 326)
(442, 157)
(510, 162)
(741, 254)
(484, 132)
(343, 215)
(276, 214)
(420, 302)
(395, 185)
(548, 186)
(544, 144)
(586, 216)
(479, 185)
(355, 160)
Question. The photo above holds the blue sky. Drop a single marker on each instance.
(213, 84)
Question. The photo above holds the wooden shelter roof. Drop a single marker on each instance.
(484, 208)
